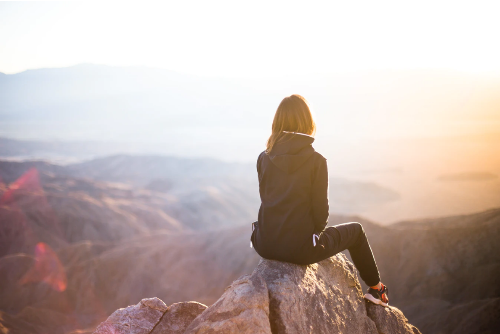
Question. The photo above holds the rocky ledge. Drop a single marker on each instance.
(277, 297)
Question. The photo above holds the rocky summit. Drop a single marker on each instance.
(277, 297)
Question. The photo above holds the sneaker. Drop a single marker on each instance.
(380, 297)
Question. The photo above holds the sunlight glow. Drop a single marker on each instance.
(226, 38)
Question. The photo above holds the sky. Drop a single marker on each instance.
(249, 39)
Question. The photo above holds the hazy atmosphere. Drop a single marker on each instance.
(133, 131)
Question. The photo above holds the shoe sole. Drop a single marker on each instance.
(375, 300)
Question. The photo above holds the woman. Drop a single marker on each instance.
(293, 186)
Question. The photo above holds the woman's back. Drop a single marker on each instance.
(293, 186)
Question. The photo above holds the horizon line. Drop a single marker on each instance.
(493, 73)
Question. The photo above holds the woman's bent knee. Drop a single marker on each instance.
(359, 232)
(357, 227)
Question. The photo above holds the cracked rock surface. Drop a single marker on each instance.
(389, 320)
(136, 319)
(151, 315)
(177, 317)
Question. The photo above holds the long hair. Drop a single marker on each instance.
(293, 115)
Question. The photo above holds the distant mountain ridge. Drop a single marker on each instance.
(199, 202)
(215, 192)
(442, 272)
(149, 105)
(77, 249)
(122, 274)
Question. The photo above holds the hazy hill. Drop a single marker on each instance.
(407, 131)
(172, 113)
(201, 193)
(101, 278)
(75, 249)
(437, 272)
(443, 272)
(140, 170)
(157, 191)
(91, 102)
(58, 210)
(76, 246)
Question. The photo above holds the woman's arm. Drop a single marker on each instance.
(261, 156)
(319, 197)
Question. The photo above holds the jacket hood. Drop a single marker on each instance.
(291, 151)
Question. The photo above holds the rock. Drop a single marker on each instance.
(389, 320)
(286, 298)
(320, 298)
(278, 298)
(177, 317)
(151, 315)
(243, 308)
(135, 319)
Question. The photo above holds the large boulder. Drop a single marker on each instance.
(177, 317)
(243, 308)
(320, 298)
(136, 319)
(151, 315)
(278, 297)
(389, 320)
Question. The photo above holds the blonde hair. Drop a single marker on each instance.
(293, 115)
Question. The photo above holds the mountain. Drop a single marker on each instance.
(219, 117)
(92, 102)
(442, 272)
(201, 193)
(140, 170)
(103, 277)
(76, 248)
(425, 268)
(41, 206)
(404, 131)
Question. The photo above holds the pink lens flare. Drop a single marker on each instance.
(47, 268)
(28, 182)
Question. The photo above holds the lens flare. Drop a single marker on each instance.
(28, 182)
(47, 268)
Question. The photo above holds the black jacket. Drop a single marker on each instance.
(293, 186)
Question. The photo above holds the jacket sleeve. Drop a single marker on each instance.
(320, 207)
(258, 163)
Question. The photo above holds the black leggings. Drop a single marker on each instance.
(350, 236)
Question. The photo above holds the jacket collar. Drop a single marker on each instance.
(291, 143)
